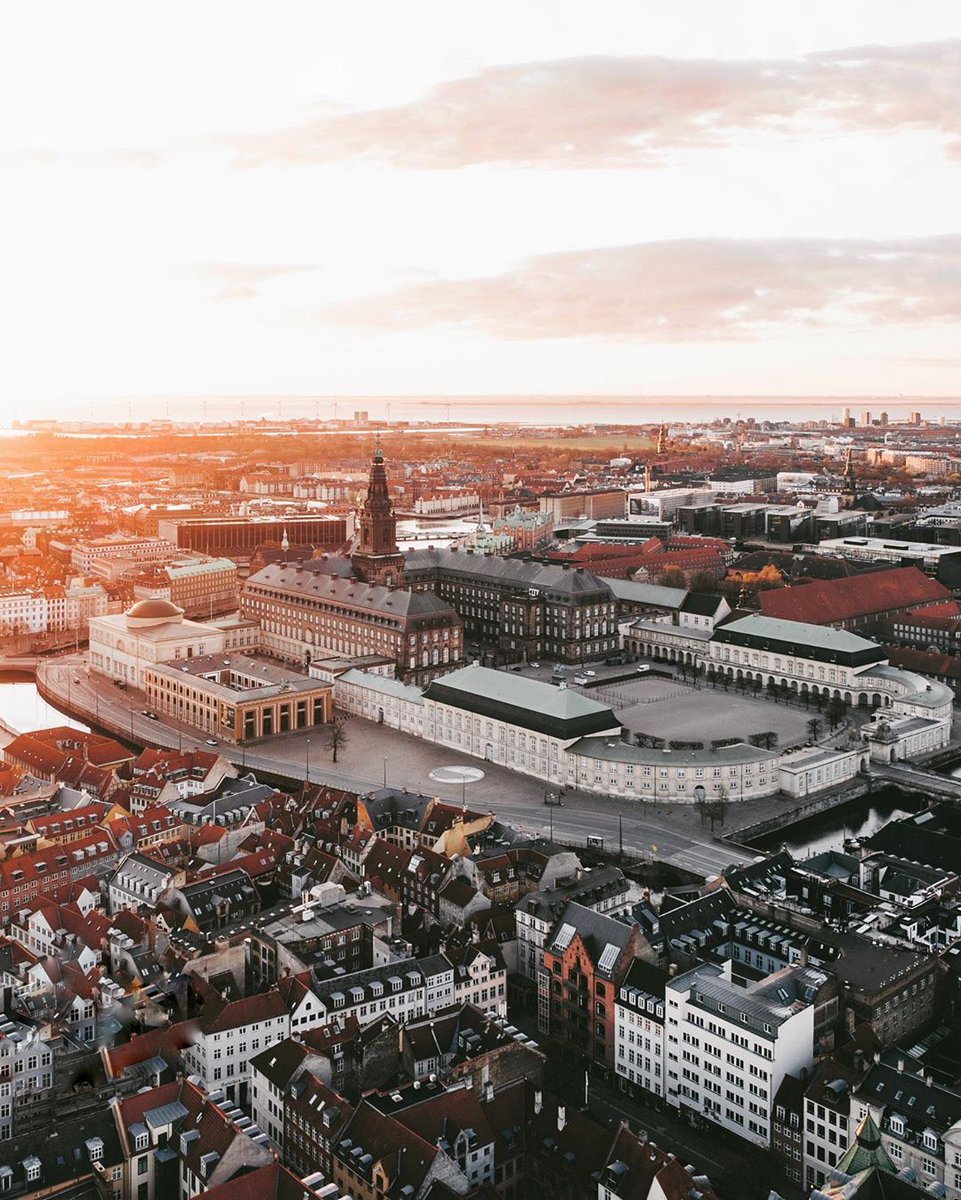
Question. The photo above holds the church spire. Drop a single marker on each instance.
(866, 1150)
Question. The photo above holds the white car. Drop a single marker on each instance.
(210, 741)
(590, 674)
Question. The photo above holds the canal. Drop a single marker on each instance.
(829, 830)
(23, 709)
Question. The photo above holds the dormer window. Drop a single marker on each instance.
(930, 1140)
(896, 1124)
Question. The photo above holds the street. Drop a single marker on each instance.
(374, 754)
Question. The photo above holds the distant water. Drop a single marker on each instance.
(524, 409)
(23, 709)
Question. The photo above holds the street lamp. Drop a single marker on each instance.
(308, 760)
(385, 770)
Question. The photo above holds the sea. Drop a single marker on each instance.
(537, 410)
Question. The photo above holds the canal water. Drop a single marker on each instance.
(23, 709)
(828, 830)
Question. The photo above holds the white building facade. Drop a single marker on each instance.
(727, 1047)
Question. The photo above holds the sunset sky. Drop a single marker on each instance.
(726, 197)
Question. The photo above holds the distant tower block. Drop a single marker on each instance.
(661, 440)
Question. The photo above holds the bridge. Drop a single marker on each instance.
(26, 662)
(917, 778)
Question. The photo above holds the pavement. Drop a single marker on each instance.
(373, 754)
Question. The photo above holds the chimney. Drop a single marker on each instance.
(561, 1118)
(538, 1102)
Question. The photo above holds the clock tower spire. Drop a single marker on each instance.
(377, 558)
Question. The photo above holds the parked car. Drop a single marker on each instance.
(210, 741)
(581, 680)
(145, 712)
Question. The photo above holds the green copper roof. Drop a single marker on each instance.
(866, 1150)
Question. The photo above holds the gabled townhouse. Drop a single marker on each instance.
(177, 1140)
(228, 1033)
(458, 901)
(314, 1118)
(480, 977)
(290, 1102)
(466, 1044)
(586, 957)
(212, 903)
(378, 1156)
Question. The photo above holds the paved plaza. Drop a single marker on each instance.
(681, 712)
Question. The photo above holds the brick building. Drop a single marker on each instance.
(585, 960)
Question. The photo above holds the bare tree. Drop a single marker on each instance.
(337, 735)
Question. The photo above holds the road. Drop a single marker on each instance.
(734, 1166)
(374, 754)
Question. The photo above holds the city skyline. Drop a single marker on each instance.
(616, 204)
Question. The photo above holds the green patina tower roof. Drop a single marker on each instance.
(866, 1150)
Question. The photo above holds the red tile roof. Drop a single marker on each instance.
(833, 601)
(925, 662)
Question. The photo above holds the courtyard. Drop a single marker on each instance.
(677, 711)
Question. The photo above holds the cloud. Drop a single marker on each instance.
(241, 281)
(629, 111)
(685, 291)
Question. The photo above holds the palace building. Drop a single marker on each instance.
(418, 608)
(356, 606)
(528, 610)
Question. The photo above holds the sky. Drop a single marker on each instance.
(416, 198)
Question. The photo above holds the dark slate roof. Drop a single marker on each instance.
(507, 572)
(898, 1086)
(590, 888)
(702, 604)
(931, 837)
(299, 582)
(528, 703)
(62, 1151)
(596, 931)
